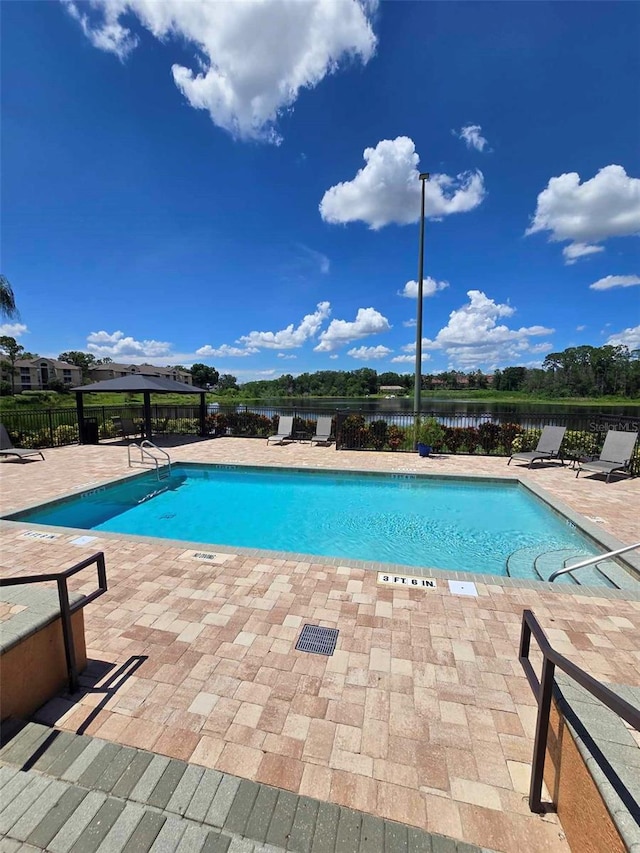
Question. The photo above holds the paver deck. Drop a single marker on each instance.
(173, 807)
(422, 715)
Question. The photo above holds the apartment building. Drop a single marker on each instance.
(112, 370)
(35, 374)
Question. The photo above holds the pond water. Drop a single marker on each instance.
(448, 406)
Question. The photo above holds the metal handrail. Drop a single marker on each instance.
(543, 690)
(143, 447)
(67, 609)
(591, 561)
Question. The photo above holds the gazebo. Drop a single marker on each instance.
(137, 384)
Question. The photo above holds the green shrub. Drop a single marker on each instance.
(526, 440)
(377, 434)
(509, 432)
(354, 433)
(432, 433)
(489, 435)
(470, 439)
(65, 434)
(397, 438)
(107, 429)
(581, 443)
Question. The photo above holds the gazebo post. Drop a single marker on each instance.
(203, 415)
(80, 415)
(147, 415)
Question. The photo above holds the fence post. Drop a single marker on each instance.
(341, 414)
(51, 427)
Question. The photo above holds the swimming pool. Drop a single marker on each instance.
(481, 526)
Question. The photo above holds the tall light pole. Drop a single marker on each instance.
(424, 176)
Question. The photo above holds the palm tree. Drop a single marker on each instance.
(7, 299)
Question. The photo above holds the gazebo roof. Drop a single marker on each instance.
(135, 383)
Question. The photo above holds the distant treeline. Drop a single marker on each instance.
(576, 372)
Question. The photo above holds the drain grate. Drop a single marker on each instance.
(317, 640)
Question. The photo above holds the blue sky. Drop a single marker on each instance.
(237, 183)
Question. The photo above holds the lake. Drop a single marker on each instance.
(446, 406)
(460, 413)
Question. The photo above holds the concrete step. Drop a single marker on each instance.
(69, 793)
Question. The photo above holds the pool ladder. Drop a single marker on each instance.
(148, 451)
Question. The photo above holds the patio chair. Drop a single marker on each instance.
(548, 447)
(126, 427)
(615, 455)
(285, 430)
(323, 430)
(7, 448)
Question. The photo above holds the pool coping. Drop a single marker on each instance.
(588, 528)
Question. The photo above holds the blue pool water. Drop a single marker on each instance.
(442, 523)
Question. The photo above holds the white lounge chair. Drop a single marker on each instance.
(7, 448)
(615, 455)
(285, 430)
(548, 447)
(323, 430)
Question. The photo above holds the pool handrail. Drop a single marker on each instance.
(591, 561)
(543, 691)
(144, 448)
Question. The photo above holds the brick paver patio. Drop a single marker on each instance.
(423, 714)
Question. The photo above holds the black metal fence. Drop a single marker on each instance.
(492, 434)
(59, 427)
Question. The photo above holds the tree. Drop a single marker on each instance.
(105, 360)
(12, 351)
(227, 382)
(203, 375)
(7, 299)
(83, 360)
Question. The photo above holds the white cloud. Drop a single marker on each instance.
(429, 288)
(117, 345)
(368, 353)
(610, 281)
(110, 36)
(13, 330)
(580, 328)
(573, 251)
(224, 351)
(628, 337)
(410, 323)
(471, 135)
(334, 356)
(387, 189)
(409, 359)
(323, 262)
(284, 355)
(473, 337)
(290, 338)
(339, 332)
(607, 205)
(251, 59)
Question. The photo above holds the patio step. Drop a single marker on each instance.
(69, 793)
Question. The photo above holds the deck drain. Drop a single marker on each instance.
(317, 640)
